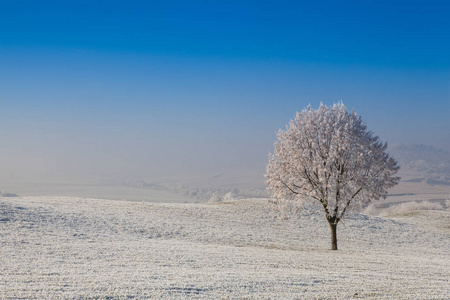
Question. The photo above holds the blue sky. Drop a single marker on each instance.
(163, 88)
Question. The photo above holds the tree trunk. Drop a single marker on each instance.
(333, 227)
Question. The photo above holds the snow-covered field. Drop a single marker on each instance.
(64, 247)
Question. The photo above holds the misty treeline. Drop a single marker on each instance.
(429, 164)
(200, 193)
(7, 194)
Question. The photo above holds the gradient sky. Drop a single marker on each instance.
(137, 89)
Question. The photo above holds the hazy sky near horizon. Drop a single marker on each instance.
(136, 89)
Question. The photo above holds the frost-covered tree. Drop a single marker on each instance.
(329, 157)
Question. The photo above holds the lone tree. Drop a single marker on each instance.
(329, 157)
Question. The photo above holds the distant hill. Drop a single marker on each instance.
(6, 194)
(422, 163)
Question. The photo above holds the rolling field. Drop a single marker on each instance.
(77, 248)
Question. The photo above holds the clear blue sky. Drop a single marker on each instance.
(149, 88)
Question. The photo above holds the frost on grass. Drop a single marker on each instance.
(86, 248)
(401, 208)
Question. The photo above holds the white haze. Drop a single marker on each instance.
(105, 156)
(42, 160)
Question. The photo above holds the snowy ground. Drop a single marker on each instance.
(61, 247)
(417, 191)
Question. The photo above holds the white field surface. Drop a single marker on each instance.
(417, 191)
(65, 247)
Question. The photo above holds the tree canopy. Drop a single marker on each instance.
(329, 157)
